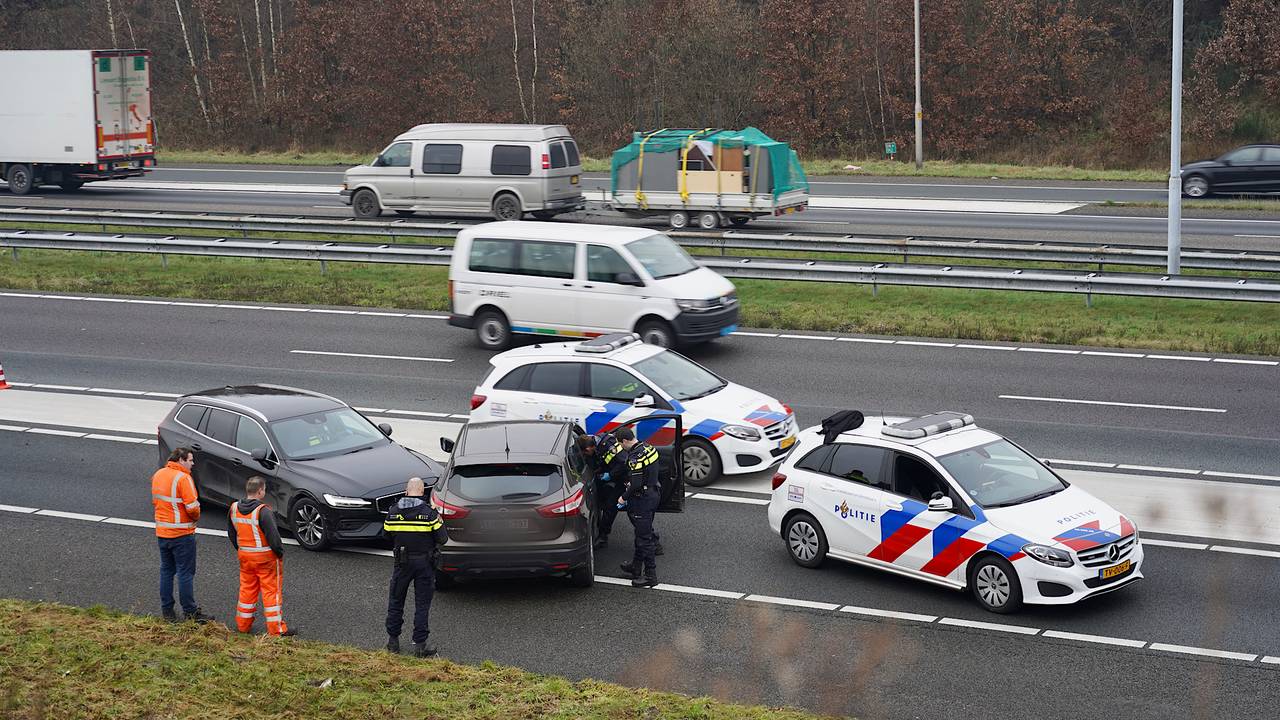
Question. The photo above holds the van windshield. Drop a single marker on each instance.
(661, 256)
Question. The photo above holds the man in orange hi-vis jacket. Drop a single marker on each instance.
(254, 535)
(177, 508)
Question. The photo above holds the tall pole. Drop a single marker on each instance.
(919, 113)
(1175, 147)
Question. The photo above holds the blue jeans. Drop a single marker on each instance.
(178, 556)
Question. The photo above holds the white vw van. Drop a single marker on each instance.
(471, 169)
(582, 281)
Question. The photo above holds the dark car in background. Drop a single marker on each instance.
(519, 499)
(1248, 169)
(331, 473)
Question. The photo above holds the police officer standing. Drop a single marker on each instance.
(416, 530)
(641, 497)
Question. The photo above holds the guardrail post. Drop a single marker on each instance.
(164, 261)
(324, 268)
(1088, 298)
(15, 254)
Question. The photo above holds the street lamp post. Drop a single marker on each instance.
(1175, 147)
(919, 113)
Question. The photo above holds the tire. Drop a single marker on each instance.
(506, 207)
(709, 220)
(994, 584)
(544, 214)
(20, 179)
(309, 525)
(493, 332)
(585, 577)
(701, 463)
(405, 213)
(678, 219)
(445, 581)
(365, 205)
(70, 185)
(739, 221)
(657, 332)
(1195, 186)
(806, 542)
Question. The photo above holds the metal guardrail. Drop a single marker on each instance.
(1063, 281)
(905, 248)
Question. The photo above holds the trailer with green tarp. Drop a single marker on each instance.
(709, 177)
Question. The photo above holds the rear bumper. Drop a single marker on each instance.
(566, 204)
(514, 562)
(693, 327)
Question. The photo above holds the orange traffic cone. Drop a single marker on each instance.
(3, 385)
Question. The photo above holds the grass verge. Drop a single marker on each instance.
(62, 662)
(1187, 325)
(812, 167)
(1244, 203)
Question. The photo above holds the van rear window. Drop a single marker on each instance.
(571, 148)
(511, 160)
(505, 482)
(557, 155)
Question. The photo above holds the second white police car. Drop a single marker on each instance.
(938, 499)
(601, 383)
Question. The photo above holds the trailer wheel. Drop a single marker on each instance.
(71, 185)
(709, 220)
(19, 179)
(679, 219)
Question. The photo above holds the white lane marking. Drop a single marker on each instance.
(888, 613)
(1175, 544)
(429, 317)
(612, 580)
(72, 388)
(17, 509)
(170, 168)
(163, 395)
(754, 334)
(1245, 476)
(1054, 351)
(71, 515)
(240, 307)
(129, 523)
(805, 337)
(922, 343)
(1245, 551)
(59, 433)
(117, 392)
(1095, 639)
(326, 311)
(985, 347)
(1204, 652)
(367, 355)
(792, 602)
(1259, 236)
(380, 314)
(708, 592)
(116, 438)
(1270, 660)
(874, 341)
(1111, 354)
(285, 309)
(424, 413)
(371, 410)
(1192, 358)
(1082, 463)
(1148, 406)
(1246, 362)
(999, 627)
(1152, 468)
(730, 498)
(14, 428)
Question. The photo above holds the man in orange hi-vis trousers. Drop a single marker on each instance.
(177, 508)
(254, 535)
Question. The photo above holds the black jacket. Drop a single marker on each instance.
(415, 526)
(611, 458)
(266, 523)
(642, 467)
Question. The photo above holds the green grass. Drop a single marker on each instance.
(812, 167)
(61, 662)
(1211, 204)
(1187, 325)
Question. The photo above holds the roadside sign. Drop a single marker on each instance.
(891, 148)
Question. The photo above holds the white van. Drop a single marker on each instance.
(471, 169)
(581, 281)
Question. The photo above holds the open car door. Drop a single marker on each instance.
(665, 432)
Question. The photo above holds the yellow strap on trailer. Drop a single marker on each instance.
(755, 165)
(684, 164)
(640, 198)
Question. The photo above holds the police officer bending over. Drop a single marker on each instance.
(641, 497)
(416, 530)
(609, 465)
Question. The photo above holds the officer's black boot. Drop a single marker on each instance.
(393, 645)
(423, 650)
(630, 568)
(649, 580)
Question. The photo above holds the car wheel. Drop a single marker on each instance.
(656, 332)
(806, 543)
(506, 207)
(678, 219)
(1195, 186)
(405, 213)
(19, 179)
(709, 220)
(365, 204)
(585, 577)
(309, 524)
(543, 214)
(70, 185)
(994, 584)
(701, 463)
(445, 581)
(492, 330)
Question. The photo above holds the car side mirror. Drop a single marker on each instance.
(446, 445)
(643, 401)
(940, 503)
(628, 278)
(385, 428)
(260, 455)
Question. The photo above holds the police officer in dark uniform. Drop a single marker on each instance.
(609, 466)
(641, 497)
(415, 530)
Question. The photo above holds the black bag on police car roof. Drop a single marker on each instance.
(843, 421)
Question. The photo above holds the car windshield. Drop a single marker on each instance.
(1000, 474)
(661, 256)
(678, 376)
(325, 433)
(505, 482)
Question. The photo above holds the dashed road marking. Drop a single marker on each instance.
(368, 355)
(1204, 652)
(980, 625)
(895, 614)
(792, 602)
(1100, 639)
(1110, 403)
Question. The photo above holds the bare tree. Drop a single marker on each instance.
(533, 81)
(191, 56)
(262, 57)
(111, 23)
(515, 60)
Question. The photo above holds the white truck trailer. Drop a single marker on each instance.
(68, 117)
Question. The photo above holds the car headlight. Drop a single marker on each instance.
(339, 501)
(1049, 555)
(742, 432)
(697, 305)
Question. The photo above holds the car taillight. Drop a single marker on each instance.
(546, 161)
(452, 512)
(477, 401)
(778, 479)
(565, 508)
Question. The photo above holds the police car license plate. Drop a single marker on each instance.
(506, 524)
(787, 442)
(1114, 570)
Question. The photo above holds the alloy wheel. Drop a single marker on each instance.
(993, 585)
(697, 464)
(803, 541)
(309, 524)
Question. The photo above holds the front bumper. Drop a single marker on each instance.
(514, 562)
(1048, 585)
(345, 196)
(747, 456)
(692, 327)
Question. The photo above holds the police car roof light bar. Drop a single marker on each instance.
(607, 343)
(927, 425)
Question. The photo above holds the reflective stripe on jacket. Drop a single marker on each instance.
(173, 494)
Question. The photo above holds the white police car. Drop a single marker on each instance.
(607, 381)
(938, 499)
